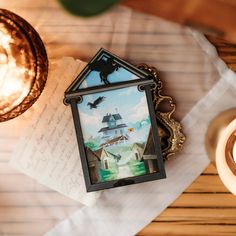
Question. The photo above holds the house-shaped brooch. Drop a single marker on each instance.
(115, 122)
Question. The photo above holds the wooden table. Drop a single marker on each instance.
(216, 17)
(205, 208)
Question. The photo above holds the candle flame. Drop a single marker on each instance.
(13, 85)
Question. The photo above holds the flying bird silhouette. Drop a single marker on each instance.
(105, 68)
(96, 102)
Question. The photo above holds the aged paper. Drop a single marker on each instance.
(48, 150)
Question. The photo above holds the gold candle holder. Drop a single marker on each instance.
(220, 145)
(226, 157)
(230, 152)
(215, 129)
(23, 65)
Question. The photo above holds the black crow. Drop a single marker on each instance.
(96, 102)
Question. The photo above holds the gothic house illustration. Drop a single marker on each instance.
(113, 126)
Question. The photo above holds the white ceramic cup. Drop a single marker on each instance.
(226, 156)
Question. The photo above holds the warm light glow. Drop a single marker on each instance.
(23, 65)
(13, 85)
(5, 40)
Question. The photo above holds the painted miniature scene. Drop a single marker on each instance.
(117, 134)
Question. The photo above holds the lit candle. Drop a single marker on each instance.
(13, 85)
(226, 156)
(23, 65)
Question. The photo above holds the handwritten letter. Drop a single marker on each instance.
(48, 150)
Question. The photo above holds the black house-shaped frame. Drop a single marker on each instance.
(74, 95)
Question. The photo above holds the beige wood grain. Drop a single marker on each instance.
(201, 200)
(205, 208)
(26, 228)
(197, 215)
(188, 229)
(207, 184)
(210, 170)
(28, 214)
(215, 17)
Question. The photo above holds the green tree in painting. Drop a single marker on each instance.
(93, 146)
(148, 120)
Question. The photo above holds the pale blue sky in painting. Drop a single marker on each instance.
(128, 102)
(121, 75)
